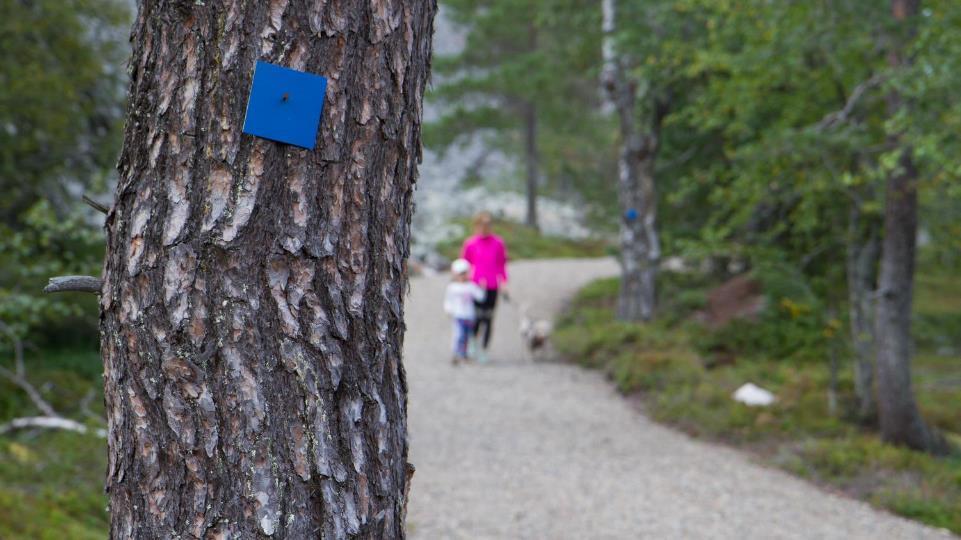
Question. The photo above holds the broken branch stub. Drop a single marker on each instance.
(88, 284)
(95, 205)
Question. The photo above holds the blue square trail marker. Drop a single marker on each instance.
(285, 105)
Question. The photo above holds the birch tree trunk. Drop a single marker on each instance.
(863, 252)
(640, 245)
(252, 314)
(533, 162)
(531, 152)
(900, 421)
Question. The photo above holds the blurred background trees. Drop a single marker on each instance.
(61, 105)
(62, 90)
(525, 84)
(776, 139)
(773, 131)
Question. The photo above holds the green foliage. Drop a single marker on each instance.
(43, 246)
(526, 243)
(51, 483)
(61, 105)
(912, 484)
(784, 182)
(937, 302)
(665, 364)
(789, 329)
(522, 57)
(937, 331)
(61, 98)
(52, 487)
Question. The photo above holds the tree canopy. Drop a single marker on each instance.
(61, 109)
(61, 99)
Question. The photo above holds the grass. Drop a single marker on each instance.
(664, 363)
(51, 482)
(524, 242)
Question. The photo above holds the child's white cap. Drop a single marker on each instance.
(460, 266)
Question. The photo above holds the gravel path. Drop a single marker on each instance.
(514, 449)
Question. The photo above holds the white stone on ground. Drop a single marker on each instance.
(753, 395)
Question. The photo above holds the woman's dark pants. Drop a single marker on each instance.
(484, 311)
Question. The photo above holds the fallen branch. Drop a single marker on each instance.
(35, 397)
(48, 422)
(95, 205)
(88, 284)
(51, 418)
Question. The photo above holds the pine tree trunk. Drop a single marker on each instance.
(900, 421)
(640, 245)
(533, 163)
(252, 314)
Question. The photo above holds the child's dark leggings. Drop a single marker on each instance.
(484, 316)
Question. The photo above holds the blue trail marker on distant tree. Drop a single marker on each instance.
(631, 214)
(285, 105)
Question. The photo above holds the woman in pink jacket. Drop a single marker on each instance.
(487, 254)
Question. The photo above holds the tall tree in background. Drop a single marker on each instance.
(60, 96)
(61, 110)
(519, 78)
(799, 157)
(640, 111)
(897, 410)
(252, 305)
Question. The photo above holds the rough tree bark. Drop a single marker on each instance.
(640, 245)
(898, 414)
(251, 312)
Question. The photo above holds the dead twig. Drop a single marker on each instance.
(88, 284)
(95, 205)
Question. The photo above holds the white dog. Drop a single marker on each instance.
(535, 333)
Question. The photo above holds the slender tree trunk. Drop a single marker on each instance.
(640, 245)
(900, 421)
(252, 314)
(863, 253)
(533, 159)
(898, 414)
(640, 252)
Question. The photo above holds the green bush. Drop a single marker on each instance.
(44, 246)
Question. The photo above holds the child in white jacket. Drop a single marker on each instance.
(459, 304)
